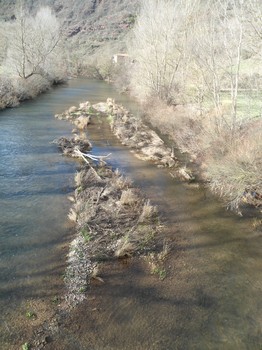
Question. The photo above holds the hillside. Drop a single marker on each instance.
(88, 25)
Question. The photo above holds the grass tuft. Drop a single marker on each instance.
(124, 248)
(148, 212)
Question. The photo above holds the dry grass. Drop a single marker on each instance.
(128, 197)
(125, 247)
(72, 215)
(257, 223)
(148, 212)
(95, 274)
(165, 251)
(156, 266)
(232, 165)
(119, 181)
(78, 178)
(239, 172)
(112, 230)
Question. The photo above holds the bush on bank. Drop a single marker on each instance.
(231, 167)
(14, 90)
(197, 70)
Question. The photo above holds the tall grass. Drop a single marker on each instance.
(232, 166)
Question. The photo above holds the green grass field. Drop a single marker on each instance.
(249, 104)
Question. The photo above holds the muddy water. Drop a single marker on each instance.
(211, 298)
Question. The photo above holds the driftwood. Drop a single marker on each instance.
(92, 157)
(84, 156)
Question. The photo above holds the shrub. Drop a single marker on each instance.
(239, 172)
(8, 96)
(233, 166)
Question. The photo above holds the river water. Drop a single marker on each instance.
(211, 298)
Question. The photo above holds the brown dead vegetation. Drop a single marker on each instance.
(232, 167)
(109, 223)
(70, 145)
(112, 219)
(79, 116)
(139, 137)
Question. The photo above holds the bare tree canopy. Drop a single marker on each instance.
(33, 43)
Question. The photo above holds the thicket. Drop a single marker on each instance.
(41, 45)
(197, 67)
(32, 56)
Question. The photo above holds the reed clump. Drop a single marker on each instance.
(112, 221)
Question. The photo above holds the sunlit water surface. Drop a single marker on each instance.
(34, 183)
(211, 298)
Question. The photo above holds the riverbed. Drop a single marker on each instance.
(210, 298)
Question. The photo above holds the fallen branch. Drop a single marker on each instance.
(92, 157)
(78, 153)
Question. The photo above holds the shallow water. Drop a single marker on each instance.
(34, 182)
(211, 298)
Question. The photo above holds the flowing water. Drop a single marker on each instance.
(211, 298)
(34, 183)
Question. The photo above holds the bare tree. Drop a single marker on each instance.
(253, 17)
(217, 51)
(158, 47)
(33, 43)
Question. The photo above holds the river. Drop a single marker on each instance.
(212, 294)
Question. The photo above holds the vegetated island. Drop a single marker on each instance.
(112, 218)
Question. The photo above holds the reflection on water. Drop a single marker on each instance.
(211, 298)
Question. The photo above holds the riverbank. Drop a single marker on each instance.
(14, 90)
(229, 165)
(186, 288)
